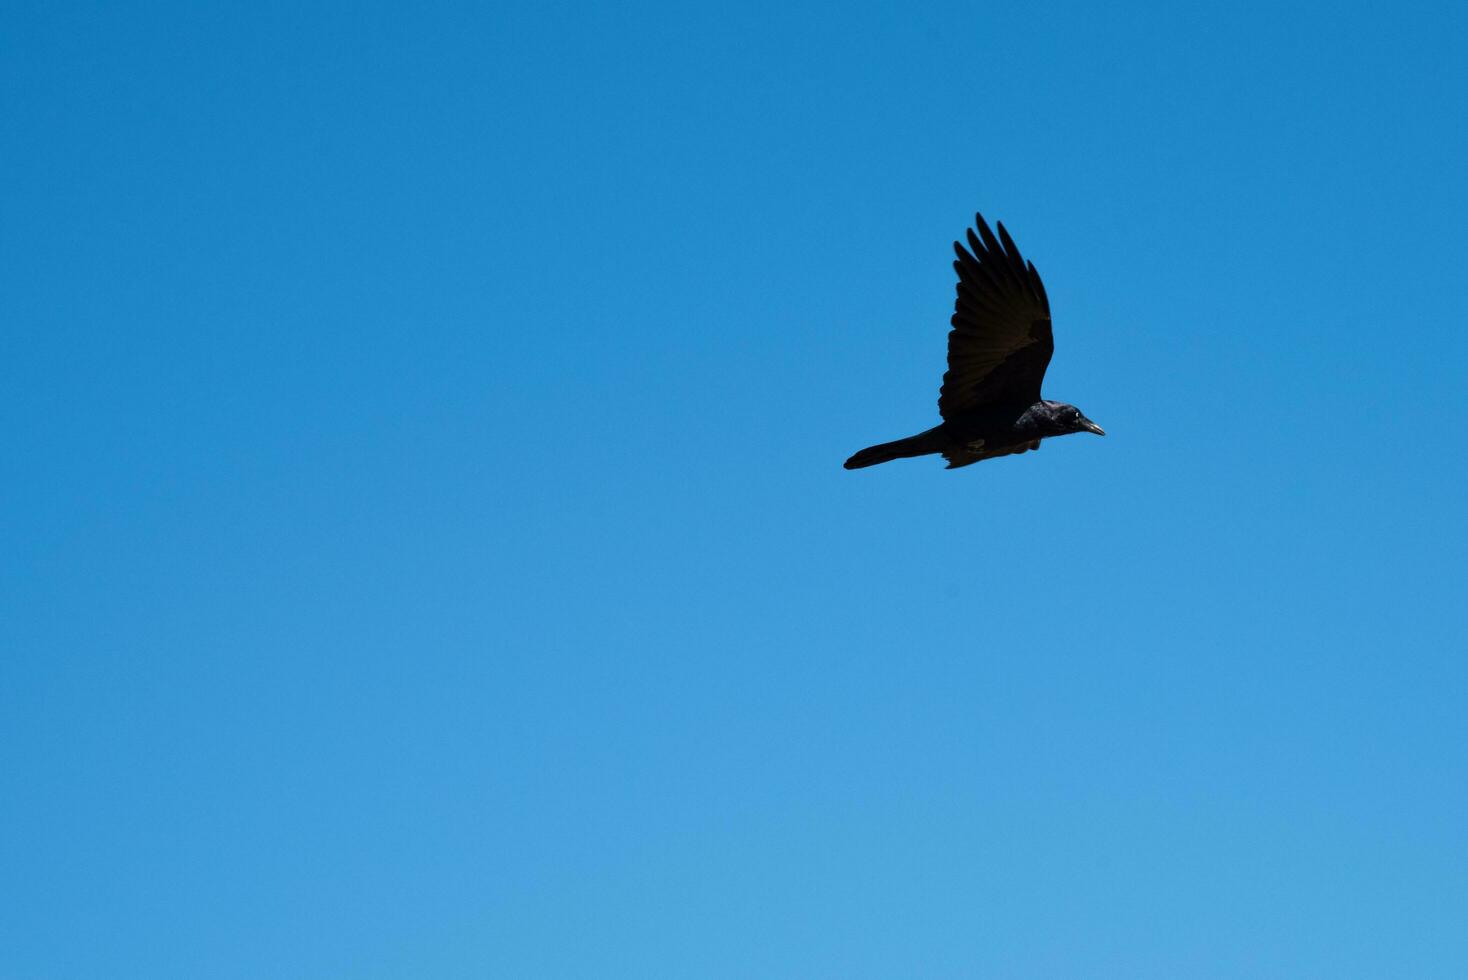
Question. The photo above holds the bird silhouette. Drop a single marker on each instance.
(998, 350)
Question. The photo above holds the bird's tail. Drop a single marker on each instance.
(919, 445)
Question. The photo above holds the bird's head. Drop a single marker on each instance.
(1070, 419)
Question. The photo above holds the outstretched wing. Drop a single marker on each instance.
(1001, 342)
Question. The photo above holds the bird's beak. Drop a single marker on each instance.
(1090, 426)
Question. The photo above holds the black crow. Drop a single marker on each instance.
(998, 350)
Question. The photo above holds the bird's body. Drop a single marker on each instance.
(998, 350)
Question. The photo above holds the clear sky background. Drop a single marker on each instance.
(425, 551)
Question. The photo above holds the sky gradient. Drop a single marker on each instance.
(425, 552)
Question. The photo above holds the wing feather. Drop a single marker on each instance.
(1001, 341)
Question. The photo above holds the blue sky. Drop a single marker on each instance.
(424, 549)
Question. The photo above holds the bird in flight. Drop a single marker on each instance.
(998, 350)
